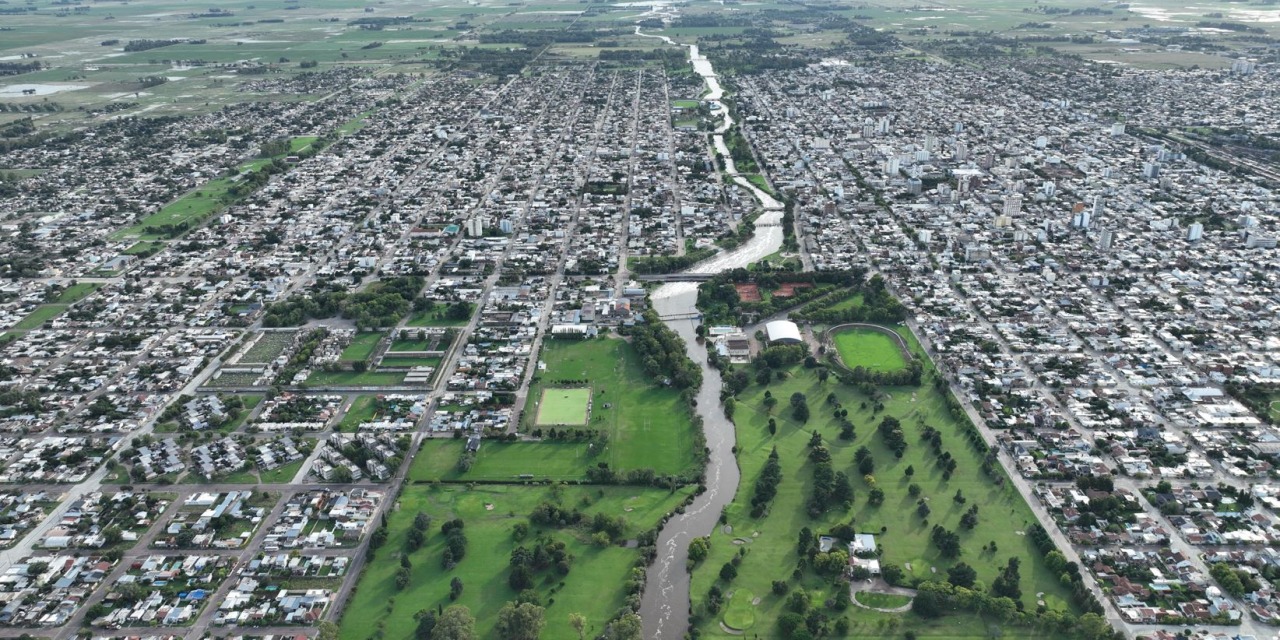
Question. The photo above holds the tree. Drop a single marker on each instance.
(455, 623)
(728, 572)
(911, 471)
(579, 624)
(426, 623)
(962, 575)
(1007, 583)
(626, 627)
(327, 631)
(520, 622)
(455, 588)
(698, 549)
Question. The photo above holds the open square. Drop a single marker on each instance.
(564, 406)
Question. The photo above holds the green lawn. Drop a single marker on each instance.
(361, 347)
(740, 614)
(409, 361)
(39, 316)
(438, 460)
(685, 104)
(559, 406)
(648, 424)
(436, 318)
(882, 600)
(771, 539)
(77, 292)
(191, 207)
(145, 248)
(363, 409)
(353, 378)
(281, 475)
(594, 586)
(301, 142)
(868, 348)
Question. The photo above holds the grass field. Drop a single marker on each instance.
(77, 292)
(771, 539)
(882, 600)
(740, 614)
(648, 424)
(594, 586)
(507, 461)
(363, 409)
(409, 361)
(361, 347)
(436, 318)
(869, 349)
(355, 378)
(39, 316)
(558, 406)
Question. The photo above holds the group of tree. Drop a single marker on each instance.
(546, 554)
(890, 430)
(831, 488)
(381, 304)
(662, 353)
(669, 264)
(799, 407)
(766, 485)
(417, 535)
(455, 543)
(947, 542)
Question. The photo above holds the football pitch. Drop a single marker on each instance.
(564, 406)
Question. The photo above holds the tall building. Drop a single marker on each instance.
(1048, 188)
(475, 226)
(1012, 205)
(930, 142)
(1098, 204)
(1243, 66)
(962, 151)
(1117, 128)
(891, 167)
(1195, 232)
(1104, 239)
(1150, 170)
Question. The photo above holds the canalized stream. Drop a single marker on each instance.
(664, 607)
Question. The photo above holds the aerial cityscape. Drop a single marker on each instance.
(665, 319)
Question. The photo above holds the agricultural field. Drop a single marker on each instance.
(648, 425)
(868, 348)
(594, 586)
(903, 535)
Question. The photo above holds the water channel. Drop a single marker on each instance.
(664, 607)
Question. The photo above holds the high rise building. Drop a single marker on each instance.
(1195, 232)
(1117, 128)
(1012, 205)
(475, 226)
(1104, 239)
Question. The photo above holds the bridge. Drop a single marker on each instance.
(674, 277)
(682, 316)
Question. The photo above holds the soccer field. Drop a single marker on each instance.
(564, 406)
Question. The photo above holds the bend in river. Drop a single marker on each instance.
(664, 607)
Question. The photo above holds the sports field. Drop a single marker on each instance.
(564, 406)
(869, 349)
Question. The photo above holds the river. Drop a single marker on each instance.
(664, 607)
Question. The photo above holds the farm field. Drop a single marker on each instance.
(594, 586)
(868, 348)
(903, 536)
(648, 425)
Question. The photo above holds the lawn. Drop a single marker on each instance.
(514, 461)
(390, 360)
(361, 347)
(648, 425)
(594, 586)
(559, 406)
(39, 316)
(882, 600)
(145, 248)
(868, 348)
(355, 378)
(363, 409)
(740, 614)
(281, 475)
(77, 292)
(685, 104)
(437, 318)
(192, 207)
(903, 537)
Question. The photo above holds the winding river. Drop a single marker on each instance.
(664, 607)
